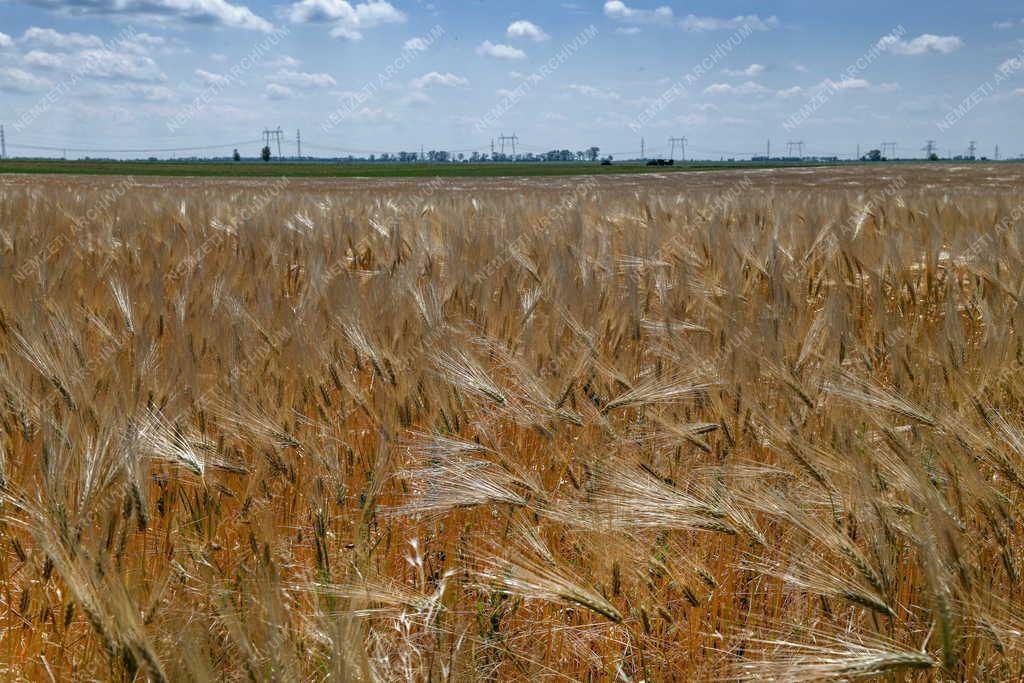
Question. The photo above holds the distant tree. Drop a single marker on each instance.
(593, 153)
(933, 157)
(580, 156)
(236, 156)
(873, 155)
(265, 154)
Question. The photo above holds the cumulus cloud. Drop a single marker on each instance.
(695, 24)
(105, 63)
(691, 23)
(276, 91)
(790, 92)
(435, 78)
(595, 93)
(349, 20)
(301, 79)
(211, 78)
(43, 60)
(6, 40)
(56, 40)
(751, 71)
(921, 45)
(847, 84)
(619, 11)
(416, 44)
(282, 62)
(489, 49)
(526, 29)
(19, 81)
(748, 88)
(139, 91)
(210, 12)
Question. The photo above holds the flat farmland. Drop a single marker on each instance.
(718, 425)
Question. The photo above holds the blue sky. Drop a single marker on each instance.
(380, 76)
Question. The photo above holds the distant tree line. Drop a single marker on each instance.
(441, 157)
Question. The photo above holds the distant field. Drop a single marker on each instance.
(326, 170)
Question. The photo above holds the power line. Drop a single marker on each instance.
(276, 135)
(510, 138)
(682, 142)
(46, 148)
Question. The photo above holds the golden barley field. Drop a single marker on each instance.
(750, 425)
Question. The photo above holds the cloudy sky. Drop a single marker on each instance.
(376, 76)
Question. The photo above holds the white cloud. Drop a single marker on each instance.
(282, 62)
(751, 71)
(5, 40)
(416, 44)
(695, 24)
(218, 57)
(139, 91)
(1005, 25)
(301, 79)
(628, 30)
(47, 37)
(109, 64)
(748, 88)
(619, 11)
(847, 84)
(278, 92)
(1019, 92)
(800, 68)
(44, 60)
(923, 44)
(18, 81)
(595, 93)
(790, 92)
(414, 98)
(489, 49)
(435, 78)
(211, 78)
(520, 76)
(349, 20)
(526, 29)
(211, 12)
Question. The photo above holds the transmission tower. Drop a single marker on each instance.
(276, 135)
(682, 145)
(996, 156)
(502, 139)
(886, 146)
(298, 144)
(642, 150)
(971, 148)
(3, 144)
(929, 148)
(798, 146)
